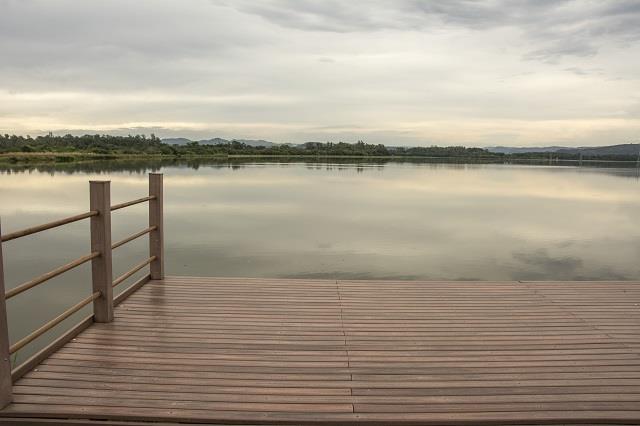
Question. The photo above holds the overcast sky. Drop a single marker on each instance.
(399, 72)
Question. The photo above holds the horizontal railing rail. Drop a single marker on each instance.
(132, 271)
(101, 274)
(51, 274)
(132, 202)
(44, 227)
(57, 320)
(133, 237)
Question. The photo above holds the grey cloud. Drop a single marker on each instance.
(329, 15)
(375, 15)
(560, 27)
(466, 13)
(580, 48)
(114, 44)
(585, 71)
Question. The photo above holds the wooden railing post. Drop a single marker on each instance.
(156, 237)
(6, 393)
(101, 266)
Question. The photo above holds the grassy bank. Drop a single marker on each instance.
(35, 158)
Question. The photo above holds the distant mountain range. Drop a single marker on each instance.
(219, 141)
(623, 149)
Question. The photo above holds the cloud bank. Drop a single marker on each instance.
(400, 72)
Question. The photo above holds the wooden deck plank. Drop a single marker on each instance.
(304, 351)
(246, 417)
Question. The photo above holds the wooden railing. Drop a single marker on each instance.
(99, 213)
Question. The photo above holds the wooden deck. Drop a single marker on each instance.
(230, 350)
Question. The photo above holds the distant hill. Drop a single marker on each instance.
(218, 141)
(214, 141)
(259, 142)
(623, 149)
(184, 141)
(521, 150)
(176, 141)
(628, 149)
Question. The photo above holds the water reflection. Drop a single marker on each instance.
(335, 220)
(143, 166)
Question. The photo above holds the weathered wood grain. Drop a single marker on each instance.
(236, 350)
(101, 266)
(156, 220)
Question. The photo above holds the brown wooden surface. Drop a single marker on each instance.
(5, 360)
(130, 203)
(132, 237)
(35, 359)
(156, 220)
(238, 350)
(101, 266)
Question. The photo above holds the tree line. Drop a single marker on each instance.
(114, 146)
(152, 145)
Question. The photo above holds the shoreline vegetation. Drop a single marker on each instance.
(49, 149)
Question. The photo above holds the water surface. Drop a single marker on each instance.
(382, 220)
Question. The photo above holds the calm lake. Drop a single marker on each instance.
(390, 220)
